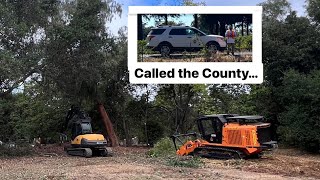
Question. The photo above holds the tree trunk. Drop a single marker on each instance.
(222, 28)
(140, 29)
(242, 28)
(211, 28)
(126, 133)
(217, 28)
(108, 125)
(196, 25)
(166, 19)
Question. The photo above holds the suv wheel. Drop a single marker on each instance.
(212, 48)
(165, 50)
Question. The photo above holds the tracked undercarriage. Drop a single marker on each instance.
(218, 153)
(88, 152)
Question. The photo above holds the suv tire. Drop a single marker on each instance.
(165, 49)
(213, 47)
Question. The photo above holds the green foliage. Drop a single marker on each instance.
(275, 9)
(180, 102)
(244, 42)
(72, 60)
(37, 117)
(146, 31)
(81, 52)
(6, 126)
(136, 115)
(142, 49)
(258, 101)
(20, 49)
(225, 96)
(299, 122)
(289, 45)
(155, 131)
(205, 53)
(163, 148)
(313, 7)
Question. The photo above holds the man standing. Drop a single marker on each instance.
(231, 36)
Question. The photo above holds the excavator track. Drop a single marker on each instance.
(88, 152)
(84, 152)
(218, 153)
(105, 151)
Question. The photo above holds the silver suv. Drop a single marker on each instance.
(168, 39)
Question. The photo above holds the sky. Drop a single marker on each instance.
(118, 22)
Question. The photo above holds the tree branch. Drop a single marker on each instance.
(17, 83)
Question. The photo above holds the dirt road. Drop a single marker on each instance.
(132, 163)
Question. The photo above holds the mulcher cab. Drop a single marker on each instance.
(83, 141)
(226, 136)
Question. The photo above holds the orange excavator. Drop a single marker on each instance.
(228, 136)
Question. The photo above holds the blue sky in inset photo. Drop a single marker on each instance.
(118, 22)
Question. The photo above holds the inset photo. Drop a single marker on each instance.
(195, 44)
(194, 37)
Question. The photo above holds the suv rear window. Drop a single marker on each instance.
(156, 31)
(179, 31)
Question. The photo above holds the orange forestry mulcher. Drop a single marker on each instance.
(226, 136)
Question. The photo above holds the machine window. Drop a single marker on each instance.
(179, 31)
(190, 32)
(197, 32)
(218, 124)
(86, 128)
(208, 127)
(156, 31)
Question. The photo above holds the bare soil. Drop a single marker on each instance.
(51, 162)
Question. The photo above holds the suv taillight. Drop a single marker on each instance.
(150, 37)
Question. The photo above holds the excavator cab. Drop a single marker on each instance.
(210, 126)
(80, 127)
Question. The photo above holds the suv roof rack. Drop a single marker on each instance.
(171, 26)
(164, 26)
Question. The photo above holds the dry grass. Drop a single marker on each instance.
(219, 57)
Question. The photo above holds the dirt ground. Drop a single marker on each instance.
(132, 163)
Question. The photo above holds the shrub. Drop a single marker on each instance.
(165, 150)
(162, 148)
(244, 42)
(142, 49)
(299, 122)
(16, 151)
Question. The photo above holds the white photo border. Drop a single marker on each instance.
(255, 67)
